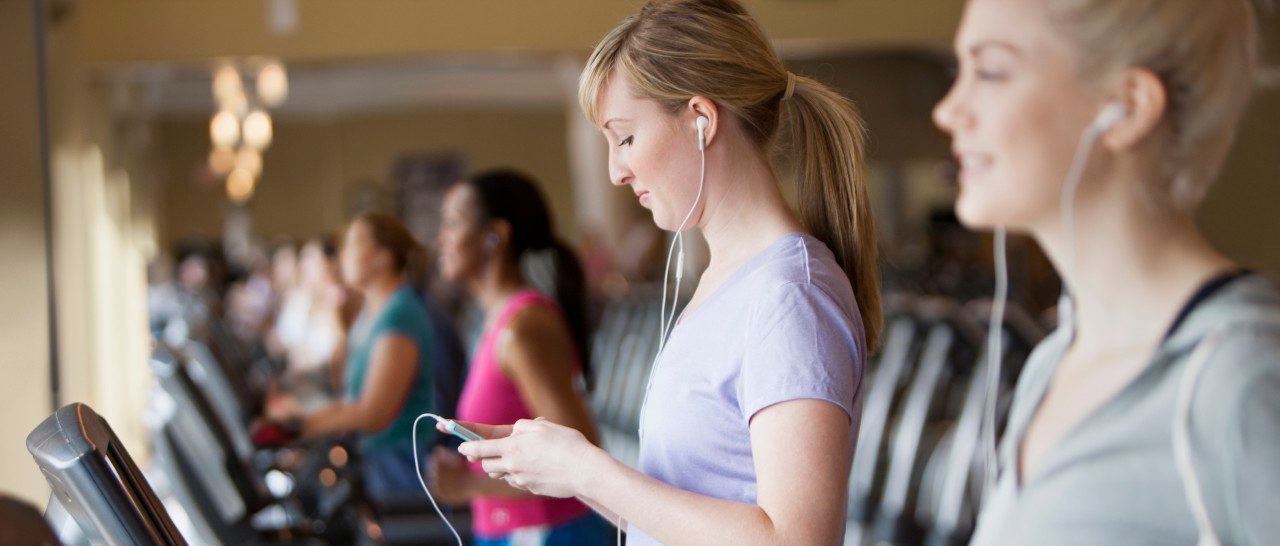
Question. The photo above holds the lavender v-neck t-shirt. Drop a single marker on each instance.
(784, 327)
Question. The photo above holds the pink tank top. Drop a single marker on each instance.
(490, 397)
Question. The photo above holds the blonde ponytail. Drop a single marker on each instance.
(829, 139)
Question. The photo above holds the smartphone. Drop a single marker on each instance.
(462, 432)
(457, 430)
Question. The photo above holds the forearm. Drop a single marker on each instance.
(673, 516)
(334, 419)
(605, 513)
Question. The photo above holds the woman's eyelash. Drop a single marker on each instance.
(626, 141)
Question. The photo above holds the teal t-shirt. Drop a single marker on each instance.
(403, 315)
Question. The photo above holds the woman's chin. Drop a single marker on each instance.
(663, 224)
(975, 215)
(449, 273)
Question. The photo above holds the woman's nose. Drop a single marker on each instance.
(619, 175)
(948, 113)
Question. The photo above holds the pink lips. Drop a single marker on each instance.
(643, 196)
(972, 164)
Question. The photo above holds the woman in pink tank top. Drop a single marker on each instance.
(528, 362)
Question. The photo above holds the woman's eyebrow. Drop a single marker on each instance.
(985, 45)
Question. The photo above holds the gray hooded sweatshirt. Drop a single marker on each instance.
(1113, 480)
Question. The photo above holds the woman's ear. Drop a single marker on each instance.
(1146, 101)
(498, 236)
(702, 107)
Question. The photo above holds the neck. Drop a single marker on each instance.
(380, 290)
(1134, 268)
(497, 282)
(744, 210)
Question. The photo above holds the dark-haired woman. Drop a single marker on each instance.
(529, 360)
(388, 374)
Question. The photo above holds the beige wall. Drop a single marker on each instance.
(98, 244)
(311, 165)
(1239, 215)
(24, 322)
(161, 30)
(101, 239)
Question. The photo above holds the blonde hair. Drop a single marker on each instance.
(1205, 53)
(674, 50)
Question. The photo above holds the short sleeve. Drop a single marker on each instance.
(803, 345)
(403, 319)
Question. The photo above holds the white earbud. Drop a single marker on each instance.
(702, 132)
(1111, 115)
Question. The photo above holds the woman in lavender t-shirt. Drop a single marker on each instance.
(752, 410)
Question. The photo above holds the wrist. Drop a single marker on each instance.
(597, 466)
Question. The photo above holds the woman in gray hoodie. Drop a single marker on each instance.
(1152, 415)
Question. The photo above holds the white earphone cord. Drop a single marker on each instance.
(995, 361)
(995, 330)
(1074, 176)
(417, 468)
(666, 323)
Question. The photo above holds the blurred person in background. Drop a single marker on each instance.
(321, 339)
(294, 301)
(530, 358)
(388, 379)
(162, 291)
(314, 359)
(182, 303)
(252, 301)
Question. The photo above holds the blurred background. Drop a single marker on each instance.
(167, 159)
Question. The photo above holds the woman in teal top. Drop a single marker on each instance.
(388, 376)
(403, 315)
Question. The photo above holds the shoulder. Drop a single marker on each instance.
(1241, 328)
(800, 269)
(538, 318)
(406, 304)
(1241, 375)
(797, 257)
(404, 313)
(534, 337)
